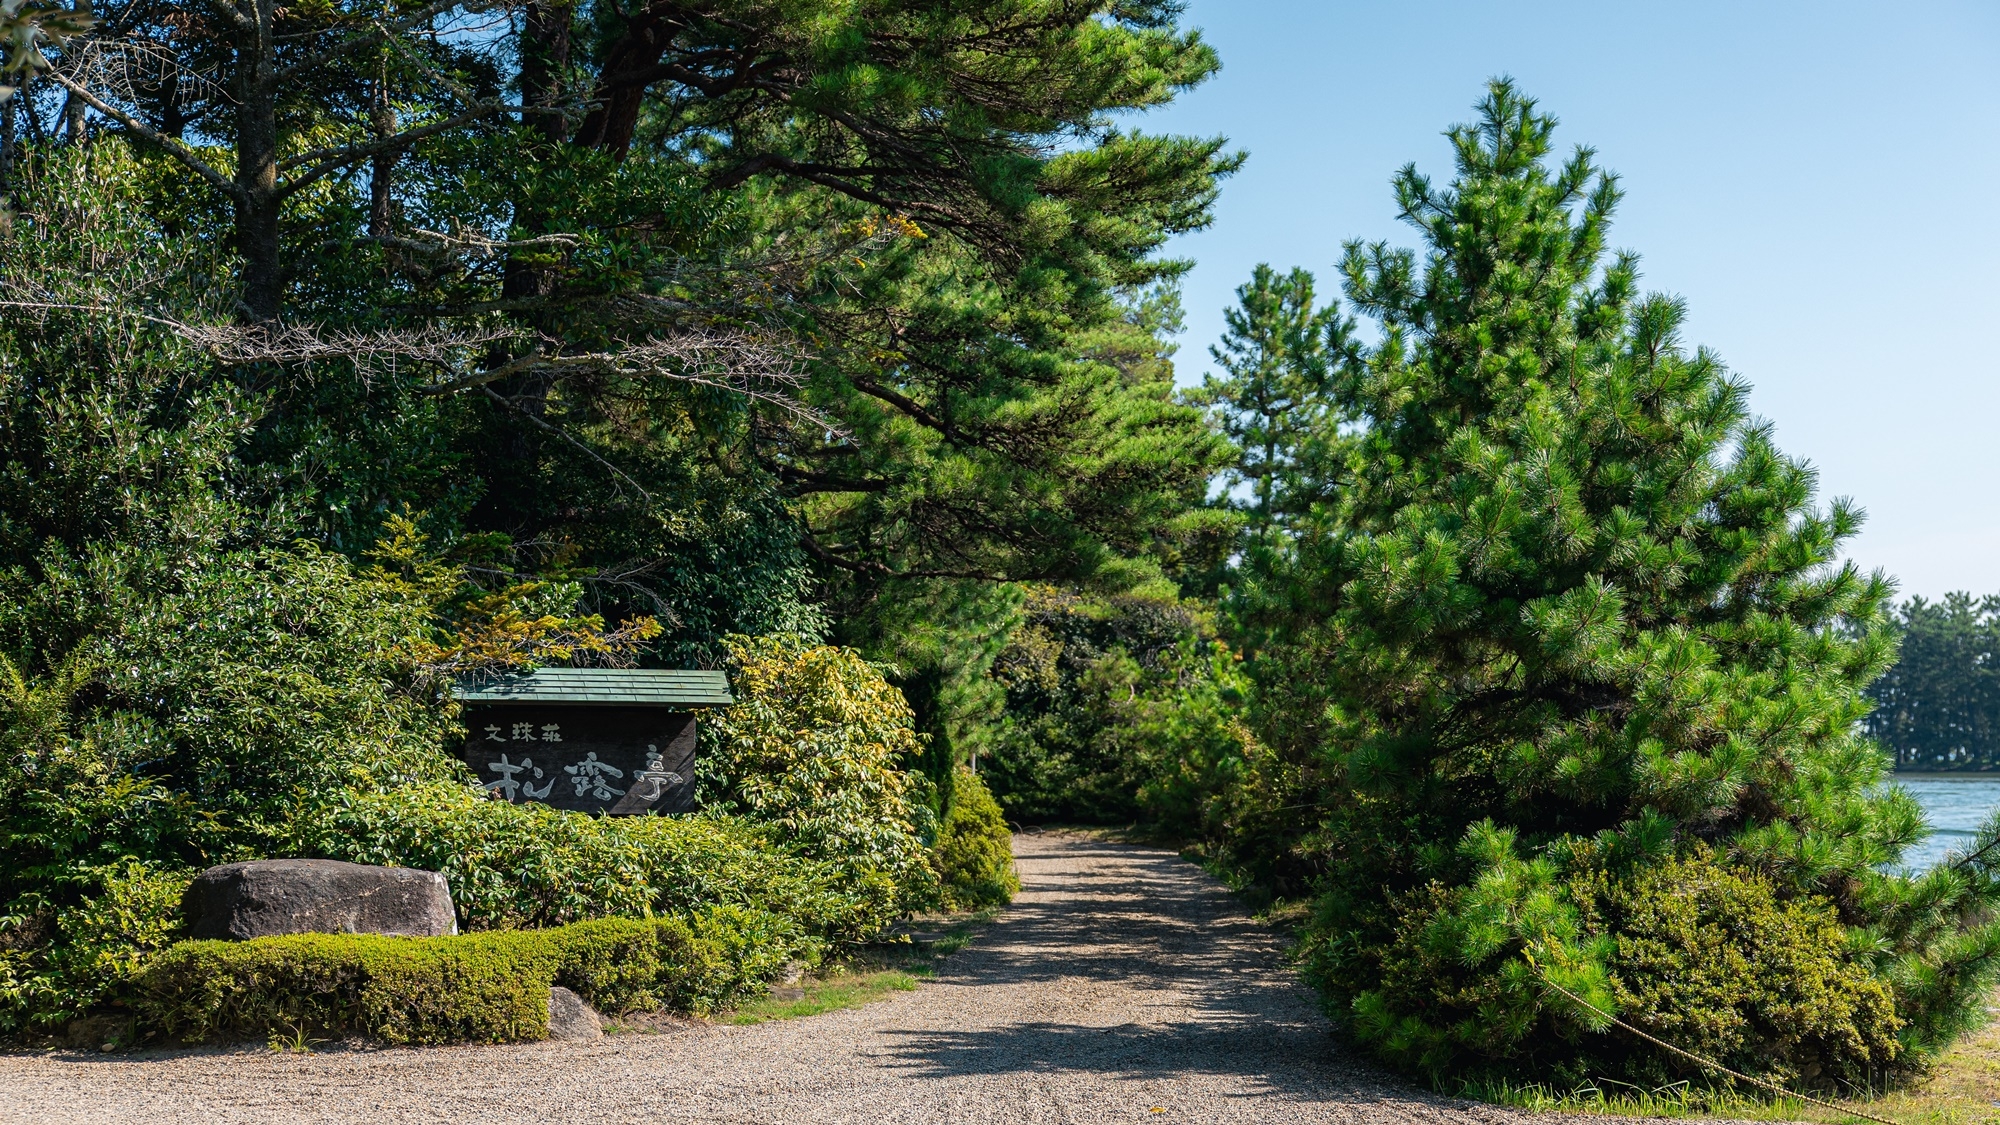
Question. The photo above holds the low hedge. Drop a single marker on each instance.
(480, 988)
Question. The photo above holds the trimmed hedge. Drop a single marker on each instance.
(472, 988)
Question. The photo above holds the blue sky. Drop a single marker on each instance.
(1821, 182)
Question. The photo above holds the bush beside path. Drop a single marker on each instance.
(1123, 979)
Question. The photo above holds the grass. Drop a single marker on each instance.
(1965, 1090)
(869, 972)
(819, 995)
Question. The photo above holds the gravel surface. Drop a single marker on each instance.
(1123, 979)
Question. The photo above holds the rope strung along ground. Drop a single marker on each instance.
(1709, 1063)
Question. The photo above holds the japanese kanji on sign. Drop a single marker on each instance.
(613, 740)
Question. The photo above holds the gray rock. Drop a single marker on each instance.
(571, 1018)
(268, 897)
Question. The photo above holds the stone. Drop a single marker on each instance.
(269, 897)
(571, 1018)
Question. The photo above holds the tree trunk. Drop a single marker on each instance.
(7, 152)
(258, 202)
(73, 107)
(545, 53)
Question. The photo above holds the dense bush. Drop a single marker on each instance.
(1120, 710)
(1711, 959)
(1705, 956)
(975, 852)
(815, 750)
(481, 988)
(58, 964)
(513, 866)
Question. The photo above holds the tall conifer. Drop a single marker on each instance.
(1275, 397)
(1587, 674)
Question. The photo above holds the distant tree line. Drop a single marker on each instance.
(1938, 707)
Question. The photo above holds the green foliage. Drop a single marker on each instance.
(56, 965)
(1572, 600)
(975, 852)
(528, 866)
(706, 962)
(1120, 710)
(814, 750)
(1279, 355)
(1705, 956)
(857, 280)
(473, 988)
(1938, 706)
(175, 693)
(1711, 960)
(478, 988)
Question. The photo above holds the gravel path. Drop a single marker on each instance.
(1123, 979)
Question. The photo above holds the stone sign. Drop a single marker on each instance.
(614, 741)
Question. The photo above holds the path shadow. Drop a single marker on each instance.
(1148, 921)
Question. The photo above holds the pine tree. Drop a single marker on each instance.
(1279, 353)
(1586, 676)
(1938, 708)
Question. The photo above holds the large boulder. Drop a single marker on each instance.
(268, 897)
(571, 1018)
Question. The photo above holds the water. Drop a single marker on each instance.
(1955, 806)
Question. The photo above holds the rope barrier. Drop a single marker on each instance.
(1709, 1063)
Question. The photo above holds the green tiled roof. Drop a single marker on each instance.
(670, 687)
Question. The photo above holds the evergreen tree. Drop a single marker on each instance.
(1938, 707)
(1583, 677)
(1279, 354)
(915, 222)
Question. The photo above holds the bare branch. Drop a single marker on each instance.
(547, 427)
(258, 343)
(174, 148)
(382, 31)
(745, 365)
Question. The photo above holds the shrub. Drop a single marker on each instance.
(975, 852)
(623, 964)
(57, 965)
(1703, 955)
(738, 949)
(519, 866)
(1710, 959)
(813, 749)
(471, 988)
(480, 988)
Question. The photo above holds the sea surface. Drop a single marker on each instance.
(1955, 805)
